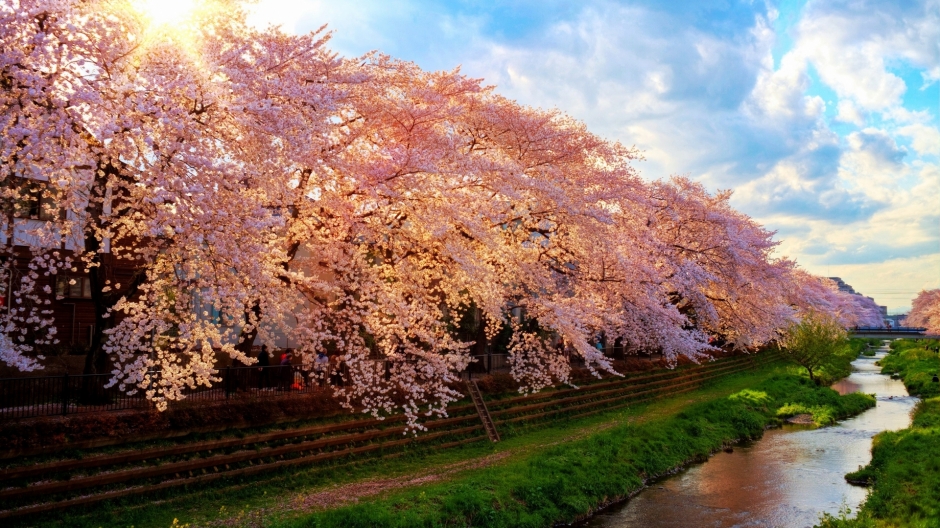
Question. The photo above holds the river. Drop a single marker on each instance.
(785, 479)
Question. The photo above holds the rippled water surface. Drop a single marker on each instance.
(785, 479)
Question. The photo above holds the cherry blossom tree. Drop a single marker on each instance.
(925, 311)
(425, 210)
(718, 264)
(810, 293)
(364, 207)
(863, 312)
(154, 162)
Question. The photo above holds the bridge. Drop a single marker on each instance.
(901, 332)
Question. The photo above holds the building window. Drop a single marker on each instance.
(36, 201)
(72, 287)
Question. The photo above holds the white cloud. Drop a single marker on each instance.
(875, 151)
(852, 46)
(781, 92)
(858, 74)
(902, 115)
(849, 113)
(808, 186)
(924, 139)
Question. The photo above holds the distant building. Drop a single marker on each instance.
(842, 285)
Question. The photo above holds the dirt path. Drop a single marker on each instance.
(349, 493)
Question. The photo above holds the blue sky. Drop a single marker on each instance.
(822, 116)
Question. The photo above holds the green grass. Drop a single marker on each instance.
(905, 468)
(248, 497)
(566, 482)
(829, 412)
(915, 366)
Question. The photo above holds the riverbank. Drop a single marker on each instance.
(904, 473)
(565, 482)
(539, 474)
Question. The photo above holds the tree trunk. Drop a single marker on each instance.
(246, 339)
(96, 361)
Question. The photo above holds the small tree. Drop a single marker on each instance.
(814, 342)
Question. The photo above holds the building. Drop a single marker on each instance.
(67, 293)
(843, 287)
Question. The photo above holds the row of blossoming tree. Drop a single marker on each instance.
(360, 206)
(925, 311)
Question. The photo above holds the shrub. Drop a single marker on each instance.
(818, 343)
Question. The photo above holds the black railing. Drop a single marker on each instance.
(72, 394)
(86, 393)
(66, 394)
(887, 330)
(486, 364)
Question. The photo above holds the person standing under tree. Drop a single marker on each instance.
(285, 374)
(264, 361)
(321, 366)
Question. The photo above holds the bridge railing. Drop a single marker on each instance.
(885, 330)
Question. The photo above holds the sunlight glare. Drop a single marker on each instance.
(167, 12)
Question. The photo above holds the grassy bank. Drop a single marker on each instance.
(538, 475)
(256, 500)
(905, 467)
(569, 480)
(914, 365)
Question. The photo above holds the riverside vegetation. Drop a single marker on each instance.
(865, 347)
(819, 343)
(569, 481)
(904, 472)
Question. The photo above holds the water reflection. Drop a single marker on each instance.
(785, 479)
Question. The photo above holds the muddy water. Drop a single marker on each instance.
(787, 478)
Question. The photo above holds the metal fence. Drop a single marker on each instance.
(72, 394)
(86, 393)
(51, 395)
(889, 330)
